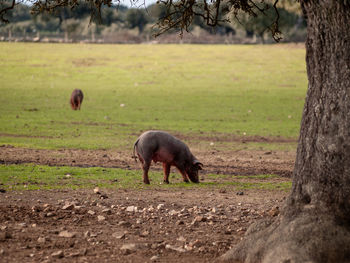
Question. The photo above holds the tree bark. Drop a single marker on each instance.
(314, 224)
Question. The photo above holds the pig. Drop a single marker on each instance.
(76, 99)
(160, 146)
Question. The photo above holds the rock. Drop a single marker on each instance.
(174, 248)
(200, 219)
(144, 234)
(240, 193)
(180, 222)
(68, 207)
(90, 212)
(58, 254)
(67, 234)
(119, 235)
(131, 209)
(181, 239)
(173, 212)
(97, 190)
(274, 211)
(101, 218)
(195, 243)
(124, 223)
(50, 214)
(160, 206)
(129, 248)
(41, 239)
(107, 211)
(87, 234)
(154, 258)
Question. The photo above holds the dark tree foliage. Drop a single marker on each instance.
(177, 15)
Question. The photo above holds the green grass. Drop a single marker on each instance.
(203, 90)
(35, 177)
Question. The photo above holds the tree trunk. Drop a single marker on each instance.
(314, 224)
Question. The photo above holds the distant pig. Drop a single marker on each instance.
(162, 147)
(76, 99)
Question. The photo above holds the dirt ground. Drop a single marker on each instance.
(170, 225)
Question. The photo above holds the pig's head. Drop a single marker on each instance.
(192, 170)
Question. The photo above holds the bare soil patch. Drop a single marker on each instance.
(128, 225)
(215, 162)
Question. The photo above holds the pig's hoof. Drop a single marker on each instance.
(146, 182)
(186, 181)
(166, 182)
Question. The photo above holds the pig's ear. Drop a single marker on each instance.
(198, 164)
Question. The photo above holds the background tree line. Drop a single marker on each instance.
(123, 24)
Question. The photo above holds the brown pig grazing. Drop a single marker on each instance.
(76, 99)
(162, 147)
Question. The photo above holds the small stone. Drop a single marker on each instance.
(174, 248)
(240, 193)
(131, 209)
(160, 206)
(67, 234)
(154, 258)
(68, 207)
(181, 239)
(235, 219)
(129, 248)
(101, 218)
(50, 214)
(58, 254)
(124, 223)
(107, 211)
(90, 212)
(118, 235)
(200, 219)
(97, 190)
(41, 239)
(144, 234)
(274, 211)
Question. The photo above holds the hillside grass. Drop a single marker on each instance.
(200, 90)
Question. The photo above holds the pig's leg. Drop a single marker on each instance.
(166, 170)
(183, 173)
(145, 167)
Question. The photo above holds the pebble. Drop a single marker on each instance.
(131, 209)
(178, 249)
(101, 218)
(68, 207)
(129, 248)
(119, 235)
(90, 212)
(154, 258)
(41, 239)
(160, 206)
(58, 254)
(67, 234)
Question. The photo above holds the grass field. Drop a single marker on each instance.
(204, 90)
(35, 177)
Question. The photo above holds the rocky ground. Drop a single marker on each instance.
(148, 225)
